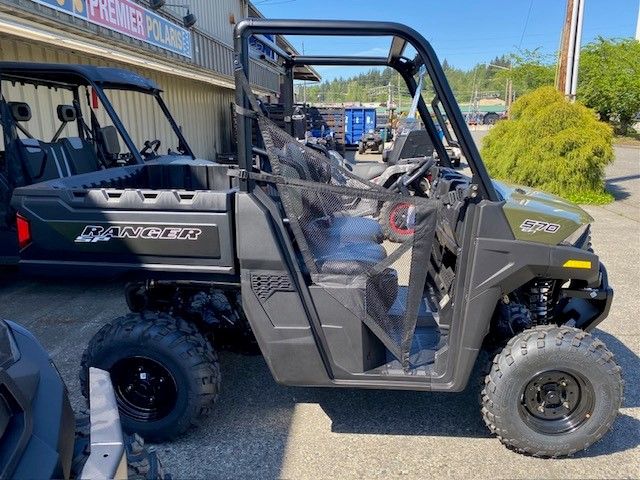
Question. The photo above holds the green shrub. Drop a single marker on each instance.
(553, 145)
(610, 80)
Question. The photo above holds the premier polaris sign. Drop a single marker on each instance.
(97, 233)
(120, 15)
(128, 18)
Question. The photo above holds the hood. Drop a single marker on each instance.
(538, 216)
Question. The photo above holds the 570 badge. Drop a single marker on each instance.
(533, 226)
(97, 233)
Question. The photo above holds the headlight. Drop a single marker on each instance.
(9, 353)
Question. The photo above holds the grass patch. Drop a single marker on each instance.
(591, 198)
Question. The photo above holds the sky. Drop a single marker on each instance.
(464, 32)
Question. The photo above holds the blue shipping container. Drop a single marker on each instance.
(358, 121)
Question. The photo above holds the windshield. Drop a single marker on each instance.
(145, 122)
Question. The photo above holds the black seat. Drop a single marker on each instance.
(42, 161)
(77, 154)
(349, 259)
(57, 159)
(412, 142)
(36, 158)
(326, 208)
(351, 229)
(340, 241)
(80, 155)
(38, 164)
(368, 171)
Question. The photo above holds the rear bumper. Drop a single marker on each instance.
(108, 457)
(587, 307)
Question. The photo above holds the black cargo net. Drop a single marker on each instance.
(335, 219)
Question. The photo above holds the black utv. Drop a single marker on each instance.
(281, 248)
(41, 438)
(371, 141)
(83, 133)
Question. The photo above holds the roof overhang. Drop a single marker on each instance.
(301, 72)
(36, 32)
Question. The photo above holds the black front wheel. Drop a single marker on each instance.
(552, 391)
(396, 220)
(165, 374)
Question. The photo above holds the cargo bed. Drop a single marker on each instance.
(161, 217)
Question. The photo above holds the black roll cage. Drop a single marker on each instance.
(401, 37)
(74, 78)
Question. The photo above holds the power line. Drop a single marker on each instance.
(526, 23)
(272, 2)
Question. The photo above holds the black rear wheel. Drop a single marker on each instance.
(552, 391)
(165, 374)
(145, 389)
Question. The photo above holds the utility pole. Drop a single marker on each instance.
(561, 74)
(508, 89)
(638, 25)
(573, 89)
(567, 75)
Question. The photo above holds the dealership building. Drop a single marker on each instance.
(192, 63)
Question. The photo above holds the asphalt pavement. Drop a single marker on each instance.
(260, 430)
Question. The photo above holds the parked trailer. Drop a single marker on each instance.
(357, 122)
(319, 121)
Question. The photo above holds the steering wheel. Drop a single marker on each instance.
(150, 148)
(415, 174)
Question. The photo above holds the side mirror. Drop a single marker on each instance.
(108, 137)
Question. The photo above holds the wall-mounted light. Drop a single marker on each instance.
(189, 20)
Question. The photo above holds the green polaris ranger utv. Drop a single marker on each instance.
(283, 247)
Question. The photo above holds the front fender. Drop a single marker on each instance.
(586, 307)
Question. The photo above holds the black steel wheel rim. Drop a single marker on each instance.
(554, 402)
(145, 389)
